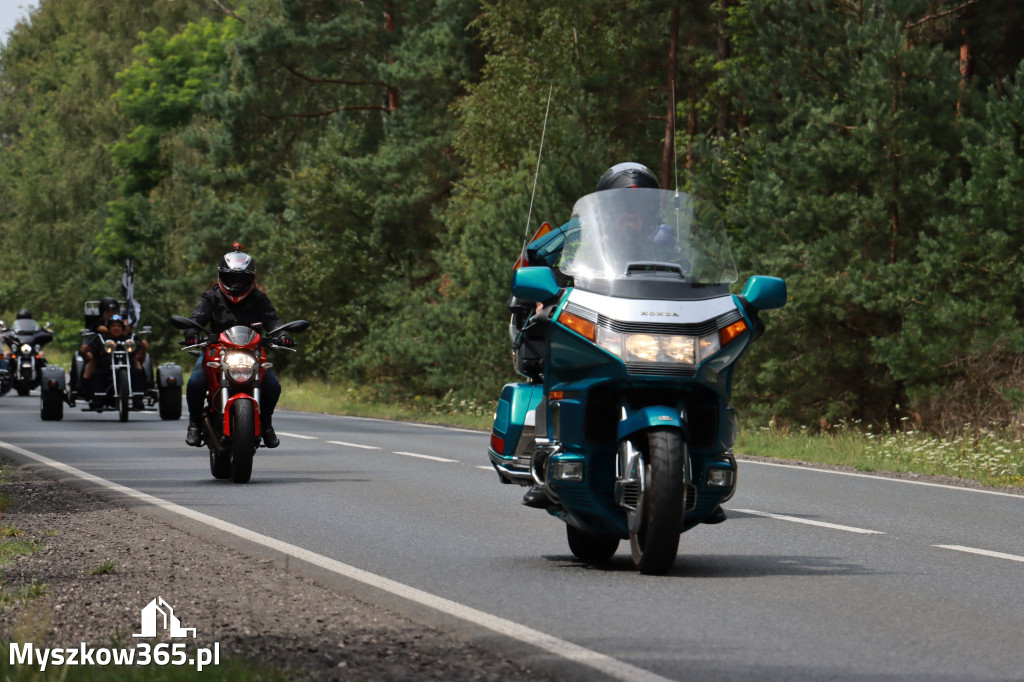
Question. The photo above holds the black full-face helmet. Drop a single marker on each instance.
(24, 314)
(236, 274)
(628, 174)
(109, 304)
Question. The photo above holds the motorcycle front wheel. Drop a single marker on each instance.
(660, 506)
(123, 394)
(243, 440)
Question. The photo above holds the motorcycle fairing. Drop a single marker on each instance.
(595, 386)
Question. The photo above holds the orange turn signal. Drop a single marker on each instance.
(731, 332)
(584, 328)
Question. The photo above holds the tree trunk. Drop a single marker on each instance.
(669, 149)
(724, 48)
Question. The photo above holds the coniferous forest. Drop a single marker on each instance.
(377, 158)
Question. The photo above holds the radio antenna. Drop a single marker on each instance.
(675, 156)
(536, 173)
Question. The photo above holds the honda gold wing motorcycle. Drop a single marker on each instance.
(624, 426)
(234, 363)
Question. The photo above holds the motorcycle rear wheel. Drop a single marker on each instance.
(593, 549)
(169, 401)
(123, 394)
(655, 544)
(243, 440)
(52, 406)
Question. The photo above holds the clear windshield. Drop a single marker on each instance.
(240, 335)
(26, 326)
(646, 233)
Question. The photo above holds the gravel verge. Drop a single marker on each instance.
(255, 608)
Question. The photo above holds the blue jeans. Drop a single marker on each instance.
(195, 393)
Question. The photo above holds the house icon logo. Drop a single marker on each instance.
(158, 613)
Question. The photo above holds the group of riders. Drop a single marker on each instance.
(235, 300)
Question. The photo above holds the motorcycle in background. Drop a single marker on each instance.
(624, 427)
(26, 339)
(124, 393)
(234, 363)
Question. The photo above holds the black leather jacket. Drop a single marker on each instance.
(216, 313)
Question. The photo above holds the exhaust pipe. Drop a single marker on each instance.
(211, 436)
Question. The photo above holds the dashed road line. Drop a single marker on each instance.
(430, 457)
(353, 445)
(983, 552)
(296, 435)
(809, 522)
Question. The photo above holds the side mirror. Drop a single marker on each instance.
(293, 326)
(179, 322)
(534, 284)
(765, 293)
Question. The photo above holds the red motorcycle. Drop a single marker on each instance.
(234, 363)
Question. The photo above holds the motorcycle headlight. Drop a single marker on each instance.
(110, 345)
(660, 348)
(641, 347)
(241, 367)
(26, 349)
(130, 345)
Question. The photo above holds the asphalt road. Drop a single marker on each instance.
(815, 576)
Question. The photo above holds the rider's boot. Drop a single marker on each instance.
(717, 516)
(537, 498)
(194, 437)
(270, 438)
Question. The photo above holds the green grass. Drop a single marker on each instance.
(108, 567)
(334, 398)
(989, 456)
(12, 549)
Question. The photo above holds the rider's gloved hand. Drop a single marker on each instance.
(285, 339)
(191, 337)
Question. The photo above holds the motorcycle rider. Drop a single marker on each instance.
(97, 357)
(11, 337)
(108, 307)
(234, 300)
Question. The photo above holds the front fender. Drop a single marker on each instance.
(227, 411)
(648, 417)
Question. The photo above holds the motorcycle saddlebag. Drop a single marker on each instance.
(168, 375)
(52, 379)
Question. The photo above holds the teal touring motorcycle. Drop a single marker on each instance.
(624, 425)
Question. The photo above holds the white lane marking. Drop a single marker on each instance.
(485, 468)
(882, 478)
(833, 526)
(557, 647)
(983, 552)
(430, 457)
(353, 445)
(296, 435)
